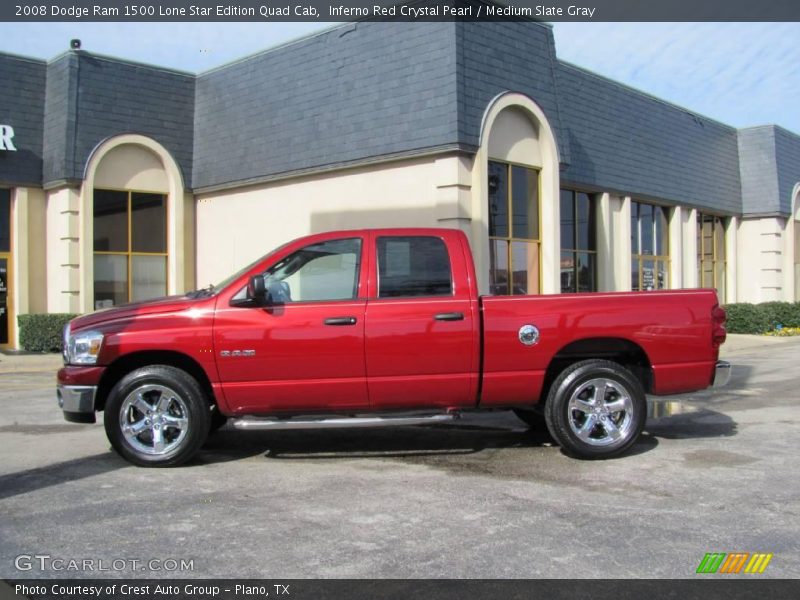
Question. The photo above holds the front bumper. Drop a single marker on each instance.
(77, 392)
(722, 373)
(77, 402)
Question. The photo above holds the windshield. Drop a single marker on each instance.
(218, 287)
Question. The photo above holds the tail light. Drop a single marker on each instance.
(718, 332)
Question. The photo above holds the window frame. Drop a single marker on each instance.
(130, 253)
(655, 258)
(7, 202)
(510, 239)
(11, 313)
(715, 260)
(358, 272)
(796, 264)
(576, 251)
(377, 294)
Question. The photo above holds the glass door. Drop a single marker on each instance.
(5, 309)
(797, 261)
(6, 316)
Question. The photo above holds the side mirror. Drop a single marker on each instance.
(257, 290)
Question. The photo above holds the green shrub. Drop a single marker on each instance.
(786, 314)
(761, 318)
(746, 318)
(42, 333)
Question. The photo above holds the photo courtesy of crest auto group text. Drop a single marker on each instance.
(399, 299)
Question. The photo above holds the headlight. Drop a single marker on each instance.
(82, 348)
(65, 344)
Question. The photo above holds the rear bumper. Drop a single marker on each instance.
(77, 402)
(722, 373)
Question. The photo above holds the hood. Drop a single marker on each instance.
(124, 312)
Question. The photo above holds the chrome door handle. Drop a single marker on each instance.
(341, 321)
(451, 316)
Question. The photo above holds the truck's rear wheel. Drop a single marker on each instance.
(157, 416)
(596, 409)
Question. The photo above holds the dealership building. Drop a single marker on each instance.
(122, 181)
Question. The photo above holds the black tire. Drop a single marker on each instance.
(587, 426)
(157, 416)
(533, 418)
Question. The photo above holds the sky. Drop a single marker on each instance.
(742, 74)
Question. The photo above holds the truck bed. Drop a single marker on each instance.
(672, 330)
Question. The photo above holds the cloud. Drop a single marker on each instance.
(739, 73)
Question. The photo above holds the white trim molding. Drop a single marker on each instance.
(176, 200)
(548, 159)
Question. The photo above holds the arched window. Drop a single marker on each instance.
(130, 246)
(514, 255)
(515, 185)
(134, 216)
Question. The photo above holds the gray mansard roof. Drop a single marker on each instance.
(91, 98)
(22, 107)
(371, 91)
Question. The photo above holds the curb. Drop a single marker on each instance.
(740, 343)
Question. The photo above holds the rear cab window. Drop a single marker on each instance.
(413, 266)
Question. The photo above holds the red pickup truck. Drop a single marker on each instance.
(381, 327)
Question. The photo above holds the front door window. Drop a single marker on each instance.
(321, 272)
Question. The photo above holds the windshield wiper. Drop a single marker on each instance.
(202, 293)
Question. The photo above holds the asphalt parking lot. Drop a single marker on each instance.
(483, 498)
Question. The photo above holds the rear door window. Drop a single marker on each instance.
(411, 266)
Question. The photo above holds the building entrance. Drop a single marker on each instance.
(797, 261)
(6, 316)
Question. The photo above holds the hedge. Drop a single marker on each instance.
(761, 318)
(42, 333)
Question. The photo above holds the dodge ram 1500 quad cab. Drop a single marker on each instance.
(381, 327)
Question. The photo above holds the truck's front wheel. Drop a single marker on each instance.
(157, 416)
(596, 409)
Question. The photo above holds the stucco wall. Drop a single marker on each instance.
(236, 227)
(760, 260)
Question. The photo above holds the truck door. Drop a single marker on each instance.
(306, 350)
(421, 344)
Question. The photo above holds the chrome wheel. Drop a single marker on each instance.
(601, 412)
(154, 420)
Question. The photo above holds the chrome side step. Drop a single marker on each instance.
(260, 424)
